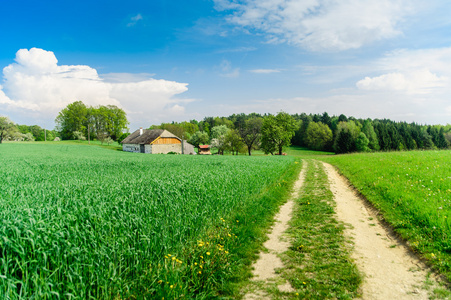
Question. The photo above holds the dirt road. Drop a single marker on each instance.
(390, 270)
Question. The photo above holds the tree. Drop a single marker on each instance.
(6, 125)
(116, 121)
(369, 132)
(347, 134)
(277, 132)
(218, 135)
(303, 122)
(199, 138)
(344, 142)
(362, 142)
(79, 136)
(72, 118)
(325, 119)
(251, 132)
(233, 141)
(427, 140)
(318, 136)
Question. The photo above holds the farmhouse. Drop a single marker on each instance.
(155, 141)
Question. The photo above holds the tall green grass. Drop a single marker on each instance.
(83, 222)
(413, 191)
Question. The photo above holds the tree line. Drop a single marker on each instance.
(343, 135)
(339, 134)
(241, 133)
(238, 133)
(10, 131)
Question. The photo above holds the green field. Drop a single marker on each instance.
(82, 222)
(412, 190)
(86, 222)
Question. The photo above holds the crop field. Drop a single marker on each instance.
(413, 191)
(80, 222)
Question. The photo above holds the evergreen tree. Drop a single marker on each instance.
(344, 142)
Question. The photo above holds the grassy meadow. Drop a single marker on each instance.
(81, 222)
(412, 190)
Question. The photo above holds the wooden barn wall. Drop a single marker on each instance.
(164, 141)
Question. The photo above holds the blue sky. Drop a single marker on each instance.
(164, 61)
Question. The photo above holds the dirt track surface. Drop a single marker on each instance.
(390, 270)
(265, 267)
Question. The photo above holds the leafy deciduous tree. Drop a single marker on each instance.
(199, 138)
(318, 136)
(5, 127)
(233, 141)
(218, 135)
(251, 132)
(277, 132)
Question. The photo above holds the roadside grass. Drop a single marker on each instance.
(412, 190)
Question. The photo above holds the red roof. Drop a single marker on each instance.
(204, 146)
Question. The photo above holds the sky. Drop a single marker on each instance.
(178, 60)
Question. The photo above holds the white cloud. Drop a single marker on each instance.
(228, 71)
(134, 20)
(417, 82)
(37, 86)
(414, 72)
(264, 71)
(320, 25)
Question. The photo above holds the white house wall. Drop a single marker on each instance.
(148, 149)
(188, 148)
(155, 149)
(166, 148)
(130, 148)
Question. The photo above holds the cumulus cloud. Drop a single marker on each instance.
(414, 72)
(417, 82)
(264, 71)
(36, 85)
(320, 25)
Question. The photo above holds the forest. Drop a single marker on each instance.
(242, 133)
(339, 134)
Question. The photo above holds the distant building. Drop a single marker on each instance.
(204, 149)
(156, 141)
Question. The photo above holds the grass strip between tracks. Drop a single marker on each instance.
(318, 264)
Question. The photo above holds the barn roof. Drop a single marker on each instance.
(204, 146)
(148, 136)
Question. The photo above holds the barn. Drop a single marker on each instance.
(204, 149)
(155, 141)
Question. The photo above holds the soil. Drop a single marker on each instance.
(390, 270)
(266, 266)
